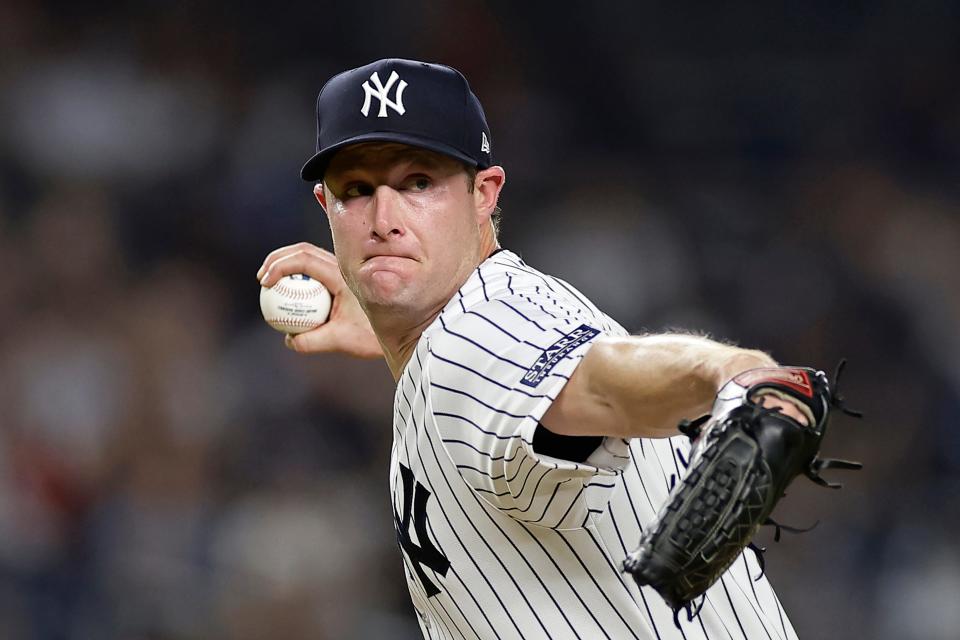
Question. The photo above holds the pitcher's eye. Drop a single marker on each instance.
(417, 183)
(358, 190)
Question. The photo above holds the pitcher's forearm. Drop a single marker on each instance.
(643, 386)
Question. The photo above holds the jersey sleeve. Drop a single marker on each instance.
(493, 373)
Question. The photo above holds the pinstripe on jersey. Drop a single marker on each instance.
(501, 542)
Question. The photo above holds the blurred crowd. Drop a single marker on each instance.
(786, 178)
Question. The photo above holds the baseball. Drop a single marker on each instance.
(296, 303)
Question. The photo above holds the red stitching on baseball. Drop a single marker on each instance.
(294, 322)
(298, 294)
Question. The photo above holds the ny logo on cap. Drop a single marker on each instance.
(380, 93)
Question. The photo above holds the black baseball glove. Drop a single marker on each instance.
(743, 458)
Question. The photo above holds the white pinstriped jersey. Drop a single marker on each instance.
(501, 542)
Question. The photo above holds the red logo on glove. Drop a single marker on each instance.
(796, 379)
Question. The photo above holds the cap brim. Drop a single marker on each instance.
(316, 166)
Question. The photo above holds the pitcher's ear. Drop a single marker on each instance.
(486, 189)
(320, 195)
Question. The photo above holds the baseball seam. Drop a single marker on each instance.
(298, 294)
(294, 322)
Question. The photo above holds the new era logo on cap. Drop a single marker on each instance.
(420, 104)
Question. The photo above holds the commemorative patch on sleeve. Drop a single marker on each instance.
(555, 353)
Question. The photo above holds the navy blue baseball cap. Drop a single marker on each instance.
(393, 100)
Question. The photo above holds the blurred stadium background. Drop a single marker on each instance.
(784, 175)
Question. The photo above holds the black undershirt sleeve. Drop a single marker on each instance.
(572, 448)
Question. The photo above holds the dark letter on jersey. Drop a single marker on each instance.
(426, 553)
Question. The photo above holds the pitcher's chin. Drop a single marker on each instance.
(384, 288)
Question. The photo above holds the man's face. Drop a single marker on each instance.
(407, 230)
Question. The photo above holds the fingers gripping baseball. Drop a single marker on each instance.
(306, 258)
(347, 330)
